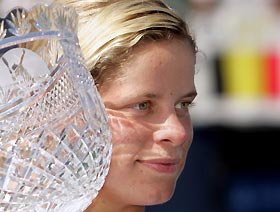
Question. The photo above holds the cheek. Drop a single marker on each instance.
(185, 148)
(187, 123)
(128, 137)
(122, 131)
(126, 130)
(187, 144)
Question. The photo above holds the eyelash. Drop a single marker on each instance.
(188, 105)
(137, 106)
(182, 108)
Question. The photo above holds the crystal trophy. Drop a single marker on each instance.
(55, 142)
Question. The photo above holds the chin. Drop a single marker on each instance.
(159, 201)
(159, 195)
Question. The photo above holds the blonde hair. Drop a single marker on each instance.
(109, 29)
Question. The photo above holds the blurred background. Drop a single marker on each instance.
(233, 164)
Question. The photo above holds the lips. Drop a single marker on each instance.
(162, 165)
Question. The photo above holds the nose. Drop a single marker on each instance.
(174, 130)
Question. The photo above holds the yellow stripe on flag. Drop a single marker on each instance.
(243, 74)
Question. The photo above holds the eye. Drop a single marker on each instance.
(142, 106)
(183, 105)
(182, 108)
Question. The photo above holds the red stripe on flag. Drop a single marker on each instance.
(273, 71)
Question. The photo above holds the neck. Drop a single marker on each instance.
(99, 205)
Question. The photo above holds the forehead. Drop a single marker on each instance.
(169, 44)
(156, 63)
(157, 54)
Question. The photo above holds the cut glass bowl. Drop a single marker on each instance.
(55, 143)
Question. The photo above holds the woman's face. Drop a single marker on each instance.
(148, 107)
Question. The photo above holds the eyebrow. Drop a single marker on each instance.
(191, 94)
(150, 95)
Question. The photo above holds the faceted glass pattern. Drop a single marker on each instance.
(55, 143)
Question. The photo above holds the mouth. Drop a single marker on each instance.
(166, 166)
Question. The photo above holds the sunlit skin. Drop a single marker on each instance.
(148, 107)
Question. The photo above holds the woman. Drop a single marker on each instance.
(142, 58)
